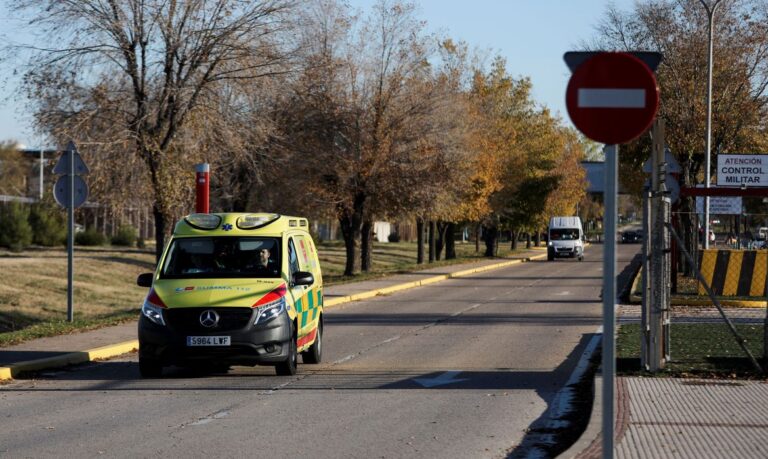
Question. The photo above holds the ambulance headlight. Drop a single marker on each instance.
(269, 311)
(153, 312)
(153, 307)
(550, 244)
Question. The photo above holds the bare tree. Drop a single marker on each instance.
(678, 30)
(364, 117)
(164, 61)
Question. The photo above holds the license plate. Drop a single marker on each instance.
(208, 340)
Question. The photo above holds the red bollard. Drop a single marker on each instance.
(202, 186)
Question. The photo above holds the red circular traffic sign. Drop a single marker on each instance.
(612, 97)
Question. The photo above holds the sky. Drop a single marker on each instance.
(532, 35)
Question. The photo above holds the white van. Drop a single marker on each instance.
(565, 238)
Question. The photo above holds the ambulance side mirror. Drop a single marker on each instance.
(303, 278)
(145, 279)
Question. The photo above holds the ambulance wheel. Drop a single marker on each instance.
(149, 367)
(289, 367)
(315, 352)
(550, 255)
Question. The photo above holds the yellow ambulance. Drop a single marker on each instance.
(233, 289)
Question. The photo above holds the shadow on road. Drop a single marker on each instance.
(577, 318)
(570, 407)
(567, 414)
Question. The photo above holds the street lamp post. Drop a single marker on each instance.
(710, 17)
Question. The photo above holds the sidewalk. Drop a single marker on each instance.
(683, 417)
(58, 351)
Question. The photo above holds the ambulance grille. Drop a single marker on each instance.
(187, 320)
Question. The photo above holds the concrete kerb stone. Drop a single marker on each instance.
(113, 350)
(427, 281)
(70, 358)
(589, 444)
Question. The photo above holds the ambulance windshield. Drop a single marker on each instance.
(222, 257)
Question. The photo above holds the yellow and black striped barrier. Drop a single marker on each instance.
(735, 272)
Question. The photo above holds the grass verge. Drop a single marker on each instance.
(33, 299)
(392, 258)
(697, 350)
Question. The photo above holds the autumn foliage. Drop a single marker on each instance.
(308, 108)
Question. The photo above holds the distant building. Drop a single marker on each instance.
(39, 178)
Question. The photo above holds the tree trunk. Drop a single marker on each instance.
(419, 241)
(239, 202)
(450, 243)
(537, 238)
(440, 240)
(514, 239)
(350, 241)
(431, 241)
(351, 222)
(527, 240)
(366, 248)
(158, 205)
(491, 233)
(477, 237)
(159, 231)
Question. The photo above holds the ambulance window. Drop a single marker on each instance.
(293, 259)
(303, 251)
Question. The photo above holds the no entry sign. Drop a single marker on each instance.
(612, 97)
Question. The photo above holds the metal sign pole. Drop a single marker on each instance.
(70, 166)
(609, 296)
(71, 236)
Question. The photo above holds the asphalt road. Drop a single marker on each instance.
(457, 369)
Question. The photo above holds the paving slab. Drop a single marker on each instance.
(692, 418)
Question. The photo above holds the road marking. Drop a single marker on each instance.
(397, 337)
(207, 419)
(277, 388)
(445, 378)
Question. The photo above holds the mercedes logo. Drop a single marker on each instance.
(209, 318)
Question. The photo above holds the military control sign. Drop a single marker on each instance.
(612, 97)
(742, 170)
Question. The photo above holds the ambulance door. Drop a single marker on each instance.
(300, 293)
(311, 300)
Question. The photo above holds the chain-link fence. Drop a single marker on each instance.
(734, 272)
(736, 264)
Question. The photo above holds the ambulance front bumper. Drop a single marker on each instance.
(179, 342)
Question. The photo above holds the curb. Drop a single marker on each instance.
(103, 352)
(634, 297)
(113, 350)
(589, 445)
(427, 281)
